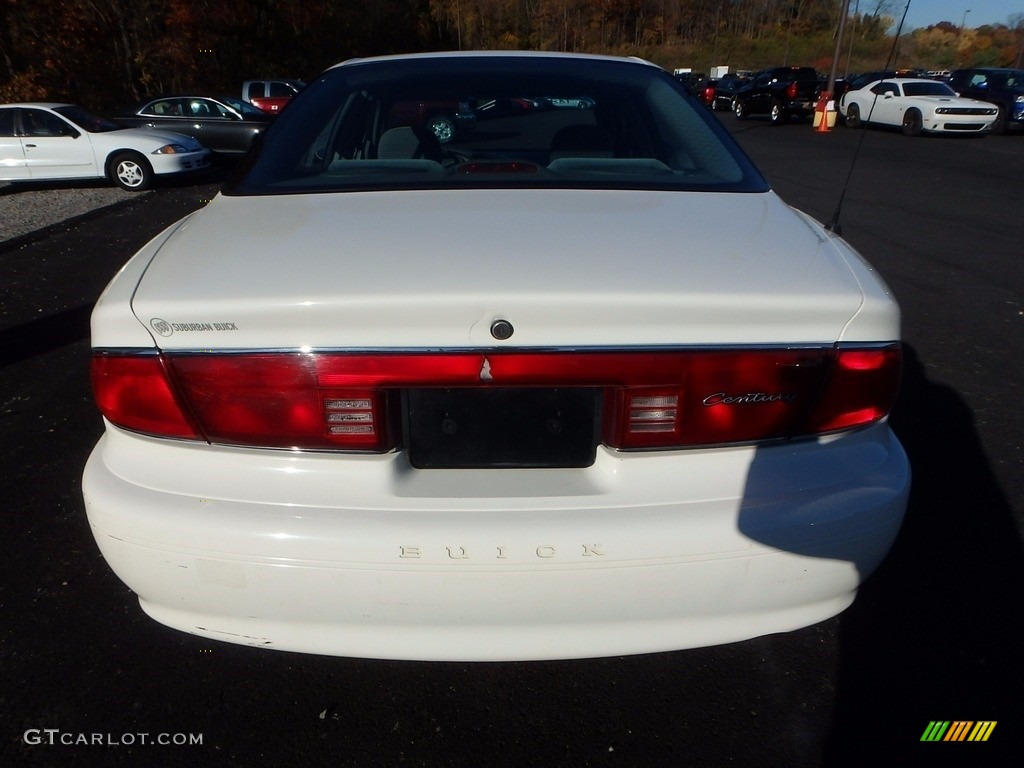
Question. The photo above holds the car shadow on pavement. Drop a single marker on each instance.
(37, 337)
(934, 634)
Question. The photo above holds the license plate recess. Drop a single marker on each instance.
(485, 427)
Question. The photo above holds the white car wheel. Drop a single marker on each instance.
(131, 171)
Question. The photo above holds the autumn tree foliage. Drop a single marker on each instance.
(104, 53)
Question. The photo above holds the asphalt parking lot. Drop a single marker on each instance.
(933, 636)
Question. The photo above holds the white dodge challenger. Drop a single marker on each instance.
(916, 106)
(511, 397)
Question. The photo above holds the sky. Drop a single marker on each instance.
(925, 12)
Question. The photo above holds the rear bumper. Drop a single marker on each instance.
(364, 556)
(800, 107)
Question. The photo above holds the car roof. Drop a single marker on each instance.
(910, 80)
(211, 96)
(553, 55)
(38, 104)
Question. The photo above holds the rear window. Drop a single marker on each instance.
(495, 121)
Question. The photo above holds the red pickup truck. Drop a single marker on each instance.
(270, 95)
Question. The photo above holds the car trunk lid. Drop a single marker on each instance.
(564, 268)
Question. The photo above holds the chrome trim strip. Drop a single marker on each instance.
(494, 350)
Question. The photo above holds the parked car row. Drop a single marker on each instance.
(779, 92)
(713, 92)
(44, 141)
(176, 134)
(969, 101)
(49, 142)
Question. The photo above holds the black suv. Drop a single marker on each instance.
(1002, 87)
(779, 92)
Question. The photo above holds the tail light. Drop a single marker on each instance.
(791, 90)
(135, 392)
(651, 399)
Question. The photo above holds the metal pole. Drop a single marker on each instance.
(831, 87)
(853, 35)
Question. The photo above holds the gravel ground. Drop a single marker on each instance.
(27, 208)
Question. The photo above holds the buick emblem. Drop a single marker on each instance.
(502, 329)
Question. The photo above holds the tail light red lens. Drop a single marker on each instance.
(135, 392)
(861, 388)
(791, 91)
(720, 397)
(282, 401)
(651, 399)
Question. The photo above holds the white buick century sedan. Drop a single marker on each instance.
(510, 397)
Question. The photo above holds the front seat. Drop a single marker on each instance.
(582, 140)
(405, 143)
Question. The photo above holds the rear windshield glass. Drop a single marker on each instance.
(495, 121)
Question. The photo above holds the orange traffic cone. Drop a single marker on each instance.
(821, 114)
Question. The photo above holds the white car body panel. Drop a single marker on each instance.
(363, 556)
(60, 157)
(13, 165)
(376, 270)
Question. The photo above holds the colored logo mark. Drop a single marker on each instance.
(958, 730)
